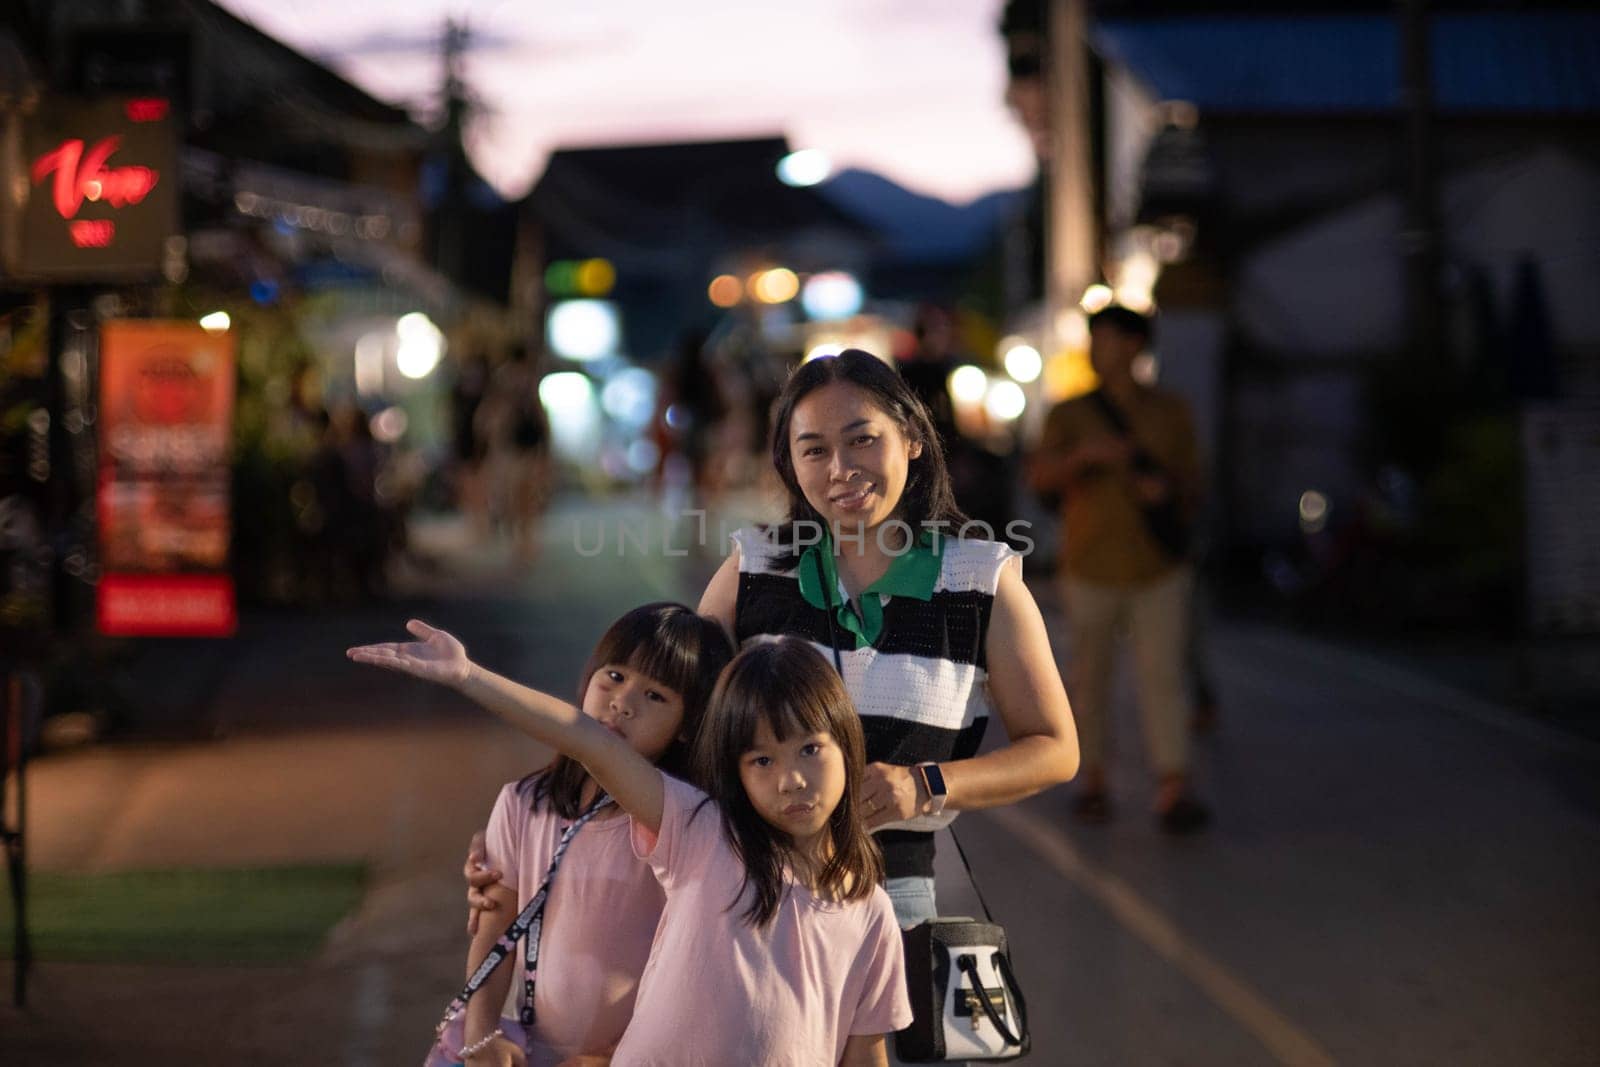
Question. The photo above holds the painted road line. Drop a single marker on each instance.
(1291, 1045)
(369, 1016)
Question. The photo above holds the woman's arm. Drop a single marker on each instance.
(864, 1050)
(722, 594)
(483, 1010)
(1027, 692)
(1031, 701)
(633, 781)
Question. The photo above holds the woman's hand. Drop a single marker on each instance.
(434, 657)
(890, 793)
(586, 1061)
(479, 878)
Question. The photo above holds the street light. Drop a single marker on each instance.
(809, 166)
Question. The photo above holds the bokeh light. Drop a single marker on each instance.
(725, 290)
(421, 345)
(809, 166)
(968, 384)
(1023, 362)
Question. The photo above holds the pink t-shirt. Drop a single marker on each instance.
(718, 991)
(598, 923)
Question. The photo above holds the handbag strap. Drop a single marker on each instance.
(1119, 424)
(972, 877)
(969, 964)
(838, 664)
(528, 921)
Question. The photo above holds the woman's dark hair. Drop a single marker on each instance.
(785, 683)
(927, 497)
(664, 641)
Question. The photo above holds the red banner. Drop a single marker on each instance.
(166, 412)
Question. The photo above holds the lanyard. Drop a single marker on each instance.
(529, 921)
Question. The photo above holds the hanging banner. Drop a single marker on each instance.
(166, 413)
(100, 190)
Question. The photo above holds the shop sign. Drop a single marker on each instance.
(101, 189)
(166, 413)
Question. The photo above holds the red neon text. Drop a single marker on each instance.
(92, 233)
(84, 176)
(151, 110)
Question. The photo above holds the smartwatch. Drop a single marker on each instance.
(933, 784)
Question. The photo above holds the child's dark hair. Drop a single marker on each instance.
(785, 683)
(928, 495)
(664, 641)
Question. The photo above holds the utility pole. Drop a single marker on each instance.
(450, 216)
(1069, 209)
(1420, 239)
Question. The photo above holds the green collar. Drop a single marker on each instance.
(913, 573)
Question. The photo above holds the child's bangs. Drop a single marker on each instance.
(784, 685)
(656, 645)
(672, 663)
(787, 717)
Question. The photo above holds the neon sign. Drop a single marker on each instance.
(152, 110)
(84, 176)
(92, 233)
(100, 182)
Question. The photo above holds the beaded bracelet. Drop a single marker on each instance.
(468, 1051)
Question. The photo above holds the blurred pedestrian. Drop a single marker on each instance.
(362, 530)
(1124, 461)
(928, 369)
(469, 450)
(693, 405)
(982, 479)
(512, 420)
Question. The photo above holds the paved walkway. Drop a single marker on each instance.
(1399, 874)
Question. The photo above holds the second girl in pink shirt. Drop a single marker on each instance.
(777, 945)
(647, 683)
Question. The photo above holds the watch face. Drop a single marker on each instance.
(935, 778)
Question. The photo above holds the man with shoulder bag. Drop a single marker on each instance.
(1124, 463)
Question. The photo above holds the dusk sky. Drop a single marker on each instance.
(911, 89)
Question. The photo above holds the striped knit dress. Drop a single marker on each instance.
(921, 689)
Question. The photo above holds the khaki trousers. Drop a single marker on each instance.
(1157, 619)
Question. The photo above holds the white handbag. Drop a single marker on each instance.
(965, 1000)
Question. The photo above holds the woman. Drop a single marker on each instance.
(933, 632)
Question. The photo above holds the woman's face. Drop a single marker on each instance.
(850, 458)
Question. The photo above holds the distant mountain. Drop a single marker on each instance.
(915, 227)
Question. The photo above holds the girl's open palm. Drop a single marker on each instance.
(435, 657)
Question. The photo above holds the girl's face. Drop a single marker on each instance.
(795, 784)
(850, 458)
(635, 707)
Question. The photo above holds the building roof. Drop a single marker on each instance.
(1524, 63)
(654, 196)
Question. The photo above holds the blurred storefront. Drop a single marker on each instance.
(1267, 181)
(167, 163)
(668, 280)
